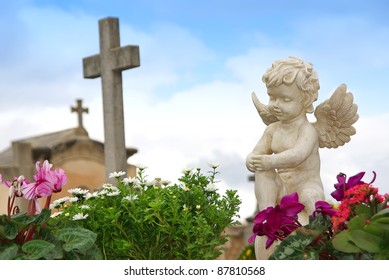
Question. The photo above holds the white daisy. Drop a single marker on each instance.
(210, 187)
(80, 216)
(115, 193)
(213, 165)
(78, 191)
(117, 174)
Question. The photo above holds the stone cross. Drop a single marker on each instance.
(79, 110)
(108, 65)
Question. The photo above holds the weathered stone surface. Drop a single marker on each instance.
(108, 65)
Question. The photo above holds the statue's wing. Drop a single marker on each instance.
(263, 111)
(335, 118)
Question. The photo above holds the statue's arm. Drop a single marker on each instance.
(263, 147)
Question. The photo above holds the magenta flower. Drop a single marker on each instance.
(342, 186)
(324, 208)
(15, 186)
(279, 221)
(46, 182)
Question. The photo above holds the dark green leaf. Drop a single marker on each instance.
(36, 249)
(292, 248)
(8, 251)
(79, 239)
(23, 219)
(57, 252)
(43, 216)
(10, 230)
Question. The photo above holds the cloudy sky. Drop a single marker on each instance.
(189, 103)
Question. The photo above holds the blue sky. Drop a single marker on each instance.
(189, 102)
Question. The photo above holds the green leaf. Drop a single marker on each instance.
(8, 251)
(343, 243)
(23, 219)
(292, 248)
(366, 241)
(93, 253)
(57, 252)
(358, 222)
(43, 216)
(382, 220)
(381, 214)
(320, 222)
(10, 230)
(375, 229)
(36, 249)
(79, 239)
(384, 226)
(363, 209)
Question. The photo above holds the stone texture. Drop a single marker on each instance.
(108, 65)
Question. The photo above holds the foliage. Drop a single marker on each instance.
(357, 229)
(248, 253)
(144, 220)
(33, 234)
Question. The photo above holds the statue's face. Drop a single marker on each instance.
(286, 102)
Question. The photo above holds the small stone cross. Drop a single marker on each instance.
(79, 110)
(108, 65)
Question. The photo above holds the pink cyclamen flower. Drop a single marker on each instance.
(46, 182)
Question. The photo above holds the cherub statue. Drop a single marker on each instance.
(286, 158)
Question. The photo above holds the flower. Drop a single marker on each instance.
(114, 193)
(129, 180)
(198, 207)
(187, 170)
(56, 214)
(324, 208)
(130, 197)
(78, 191)
(210, 187)
(185, 208)
(116, 174)
(80, 216)
(141, 167)
(46, 182)
(279, 221)
(357, 229)
(342, 186)
(213, 165)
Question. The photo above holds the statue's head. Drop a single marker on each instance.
(298, 72)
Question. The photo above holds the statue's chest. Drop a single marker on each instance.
(283, 139)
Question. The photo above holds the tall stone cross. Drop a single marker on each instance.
(109, 65)
(79, 110)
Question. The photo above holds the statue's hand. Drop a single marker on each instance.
(259, 162)
(249, 162)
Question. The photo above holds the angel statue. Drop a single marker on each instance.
(286, 158)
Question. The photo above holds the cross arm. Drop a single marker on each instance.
(92, 66)
(124, 58)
